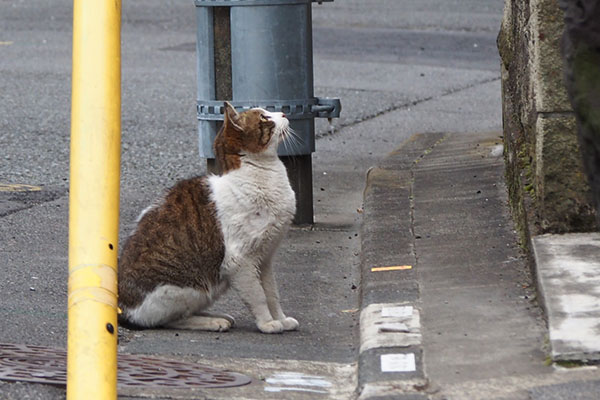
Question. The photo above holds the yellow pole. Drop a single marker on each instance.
(94, 200)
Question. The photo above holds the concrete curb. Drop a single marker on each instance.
(398, 214)
(390, 355)
(568, 275)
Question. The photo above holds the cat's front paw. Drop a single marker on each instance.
(289, 324)
(273, 326)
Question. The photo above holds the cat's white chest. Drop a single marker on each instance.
(254, 206)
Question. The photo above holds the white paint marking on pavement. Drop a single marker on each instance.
(400, 311)
(296, 381)
(296, 378)
(292, 389)
(402, 362)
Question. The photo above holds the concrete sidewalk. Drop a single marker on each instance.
(448, 306)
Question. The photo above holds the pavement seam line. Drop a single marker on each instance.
(411, 198)
(388, 110)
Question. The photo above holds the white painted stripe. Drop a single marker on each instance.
(399, 311)
(296, 381)
(293, 389)
(402, 362)
(291, 374)
(299, 381)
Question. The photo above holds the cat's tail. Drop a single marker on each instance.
(125, 323)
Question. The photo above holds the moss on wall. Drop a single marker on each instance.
(547, 189)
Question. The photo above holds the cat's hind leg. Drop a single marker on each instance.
(176, 307)
(220, 289)
(201, 323)
(217, 315)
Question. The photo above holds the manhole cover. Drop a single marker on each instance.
(39, 364)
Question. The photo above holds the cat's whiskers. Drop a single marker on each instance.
(291, 140)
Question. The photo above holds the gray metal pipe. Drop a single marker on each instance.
(269, 65)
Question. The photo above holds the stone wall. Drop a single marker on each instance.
(581, 44)
(547, 188)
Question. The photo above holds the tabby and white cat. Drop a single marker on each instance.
(212, 232)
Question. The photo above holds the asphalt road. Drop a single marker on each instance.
(399, 67)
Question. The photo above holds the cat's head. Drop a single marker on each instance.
(255, 131)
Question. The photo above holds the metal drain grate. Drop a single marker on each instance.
(33, 364)
(135, 371)
(39, 364)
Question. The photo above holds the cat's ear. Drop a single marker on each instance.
(230, 117)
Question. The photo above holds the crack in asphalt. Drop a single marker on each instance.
(448, 92)
(14, 202)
